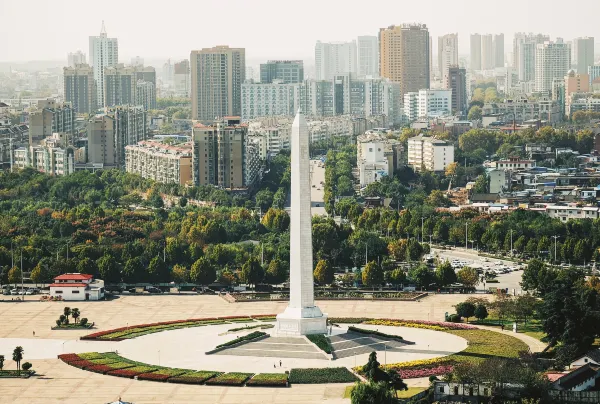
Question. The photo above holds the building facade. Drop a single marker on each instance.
(168, 164)
(130, 85)
(457, 82)
(427, 153)
(80, 88)
(377, 157)
(434, 102)
(498, 50)
(447, 54)
(76, 58)
(475, 52)
(272, 99)
(217, 77)
(221, 156)
(104, 52)
(334, 58)
(49, 118)
(282, 71)
(552, 61)
(130, 127)
(487, 52)
(367, 55)
(583, 54)
(101, 151)
(181, 78)
(404, 56)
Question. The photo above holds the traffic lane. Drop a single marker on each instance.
(317, 193)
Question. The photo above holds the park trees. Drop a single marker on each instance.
(324, 273)
(203, 272)
(252, 273)
(444, 274)
(468, 277)
(372, 274)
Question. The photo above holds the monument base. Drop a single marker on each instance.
(304, 321)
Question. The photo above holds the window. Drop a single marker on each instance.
(441, 389)
(74, 291)
(58, 292)
(456, 390)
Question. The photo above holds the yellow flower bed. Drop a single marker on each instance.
(418, 364)
(405, 324)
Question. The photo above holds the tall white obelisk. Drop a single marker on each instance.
(301, 317)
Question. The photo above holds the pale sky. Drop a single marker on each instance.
(268, 29)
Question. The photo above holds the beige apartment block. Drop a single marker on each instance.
(404, 56)
(160, 162)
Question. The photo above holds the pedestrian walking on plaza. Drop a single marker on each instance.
(280, 363)
(34, 334)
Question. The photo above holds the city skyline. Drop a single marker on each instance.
(175, 40)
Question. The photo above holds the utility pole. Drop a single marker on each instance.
(555, 246)
(262, 254)
(422, 233)
(366, 254)
(511, 242)
(466, 236)
(22, 289)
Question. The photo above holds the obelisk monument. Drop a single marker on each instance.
(301, 317)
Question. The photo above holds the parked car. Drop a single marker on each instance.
(153, 290)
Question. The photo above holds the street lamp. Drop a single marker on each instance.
(555, 246)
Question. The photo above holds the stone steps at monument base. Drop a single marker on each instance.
(271, 353)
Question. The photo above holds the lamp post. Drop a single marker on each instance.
(466, 236)
(422, 233)
(555, 246)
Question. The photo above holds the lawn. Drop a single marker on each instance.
(400, 393)
(533, 328)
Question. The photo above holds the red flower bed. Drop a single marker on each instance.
(68, 358)
(123, 373)
(81, 364)
(416, 373)
(103, 369)
(153, 377)
(231, 317)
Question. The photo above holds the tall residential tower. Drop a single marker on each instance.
(104, 52)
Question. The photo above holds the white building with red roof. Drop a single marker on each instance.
(77, 287)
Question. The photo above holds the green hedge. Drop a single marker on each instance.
(376, 333)
(320, 341)
(251, 336)
(326, 375)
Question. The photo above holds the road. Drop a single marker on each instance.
(510, 280)
(316, 191)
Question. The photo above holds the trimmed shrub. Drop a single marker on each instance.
(194, 377)
(249, 337)
(229, 379)
(269, 380)
(321, 341)
(326, 375)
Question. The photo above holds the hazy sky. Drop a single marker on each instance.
(268, 29)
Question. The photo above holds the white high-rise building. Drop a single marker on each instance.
(368, 56)
(524, 54)
(104, 52)
(137, 61)
(487, 52)
(498, 50)
(334, 58)
(427, 103)
(475, 52)
(552, 61)
(583, 54)
(447, 55)
(77, 58)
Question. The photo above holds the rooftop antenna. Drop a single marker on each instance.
(103, 29)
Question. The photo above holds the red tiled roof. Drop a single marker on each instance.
(68, 285)
(73, 277)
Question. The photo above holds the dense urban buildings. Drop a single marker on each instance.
(428, 153)
(130, 127)
(270, 99)
(334, 58)
(552, 61)
(101, 141)
(404, 56)
(487, 52)
(283, 71)
(80, 88)
(48, 118)
(217, 77)
(223, 156)
(104, 52)
(377, 156)
(164, 163)
(498, 50)
(367, 54)
(428, 103)
(130, 85)
(524, 51)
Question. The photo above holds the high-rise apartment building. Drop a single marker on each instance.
(457, 82)
(222, 155)
(48, 118)
(130, 85)
(104, 52)
(594, 73)
(80, 88)
(283, 71)
(427, 103)
(583, 54)
(475, 52)
(552, 61)
(487, 52)
(498, 50)
(137, 61)
(367, 56)
(130, 127)
(101, 141)
(181, 78)
(77, 58)
(447, 55)
(429, 153)
(334, 58)
(524, 53)
(404, 56)
(217, 77)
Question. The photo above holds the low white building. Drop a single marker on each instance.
(77, 287)
(270, 140)
(271, 99)
(377, 157)
(429, 153)
(435, 103)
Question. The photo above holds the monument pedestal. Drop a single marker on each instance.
(304, 321)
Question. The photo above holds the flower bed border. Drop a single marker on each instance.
(232, 299)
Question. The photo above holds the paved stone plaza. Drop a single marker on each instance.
(59, 382)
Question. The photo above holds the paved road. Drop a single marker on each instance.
(317, 191)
